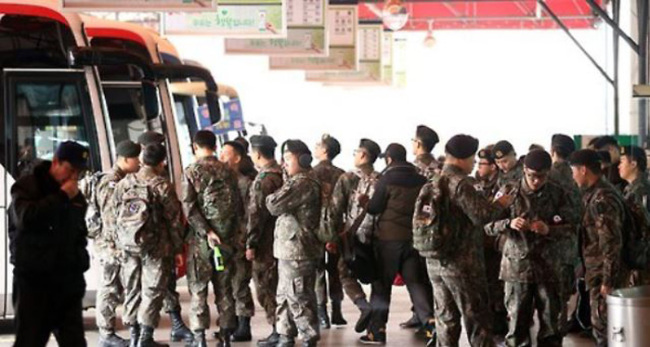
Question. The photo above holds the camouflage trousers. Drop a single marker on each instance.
(109, 296)
(145, 279)
(457, 298)
(296, 299)
(350, 285)
(522, 299)
(496, 291)
(200, 273)
(172, 303)
(265, 277)
(598, 306)
(328, 280)
(241, 288)
(567, 289)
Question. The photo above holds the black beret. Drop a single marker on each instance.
(605, 157)
(603, 141)
(563, 142)
(332, 145)
(637, 154)
(427, 135)
(538, 160)
(585, 157)
(73, 153)
(395, 152)
(128, 149)
(372, 147)
(242, 141)
(462, 146)
(486, 154)
(154, 154)
(296, 147)
(263, 141)
(149, 137)
(239, 148)
(502, 149)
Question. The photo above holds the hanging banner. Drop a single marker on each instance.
(342, 28)
(151, 20)
(399, 62)
(139, 5)
(234, 18)
(306, 35)
(370, 65)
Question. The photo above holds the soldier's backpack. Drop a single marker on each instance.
(93, 214)
(134, 211)
(432, 234)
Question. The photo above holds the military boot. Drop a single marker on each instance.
(224, 339)
(271, 341)
(134, 332)
(199, 339)
(112, 340)
(243, 332)
(286, 341)
(146, 338)
(322, 317)
(337, 315)
(364, 316)
(180, 332)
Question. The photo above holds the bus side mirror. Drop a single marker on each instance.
(150, 99)
(212, 99)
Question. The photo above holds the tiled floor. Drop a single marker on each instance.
(400, 311)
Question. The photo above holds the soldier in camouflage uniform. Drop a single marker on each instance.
(610, 145)
(298, 246)
(171, 304)
(327, 174)
(510, 168)
(602, 224)
(423, 143)
(212, 204)
(145, 273)
(457, 270)
(633, 169)
(540, 216)
(568, 255)
(233, 154)
(260, 230)
(345, 211)
(110, 291)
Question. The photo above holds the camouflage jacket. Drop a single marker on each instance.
(244, 185)
(602, 225)
(468, 212)
(511, 177)
(327, 175)
(487, 186)
(104, 243)
(345, 208)
(261, 224)
(638, 192)
(427, 165)
(211, 202)
(167, 224)
(561, 175)
(527, 256)
(298, 207)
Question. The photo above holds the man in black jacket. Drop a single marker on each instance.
(47, 234)
(394, 203)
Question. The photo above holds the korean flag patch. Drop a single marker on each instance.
(557, 219)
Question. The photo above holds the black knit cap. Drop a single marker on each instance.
(128, 149)
(331, 144)
(585, 157)
(237, 146)
(149, 137)
(462, 146)
(502, 149)
(395, 152)
(371, 147)
(205, 139)
(538, 160)
(603, 141)
(428, 136)
(73, 153)
(636, 154)
(263, 141)
(564, 143)
(486, 154)
(154, 154)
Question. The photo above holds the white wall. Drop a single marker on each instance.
(517, 85)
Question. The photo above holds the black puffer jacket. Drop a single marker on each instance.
(47, 231)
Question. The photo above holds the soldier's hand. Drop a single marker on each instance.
(540, 227)
(518, 224)
(213, 239)
(250, 254)
(180, 261)
(70, 188)
(331, 247)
